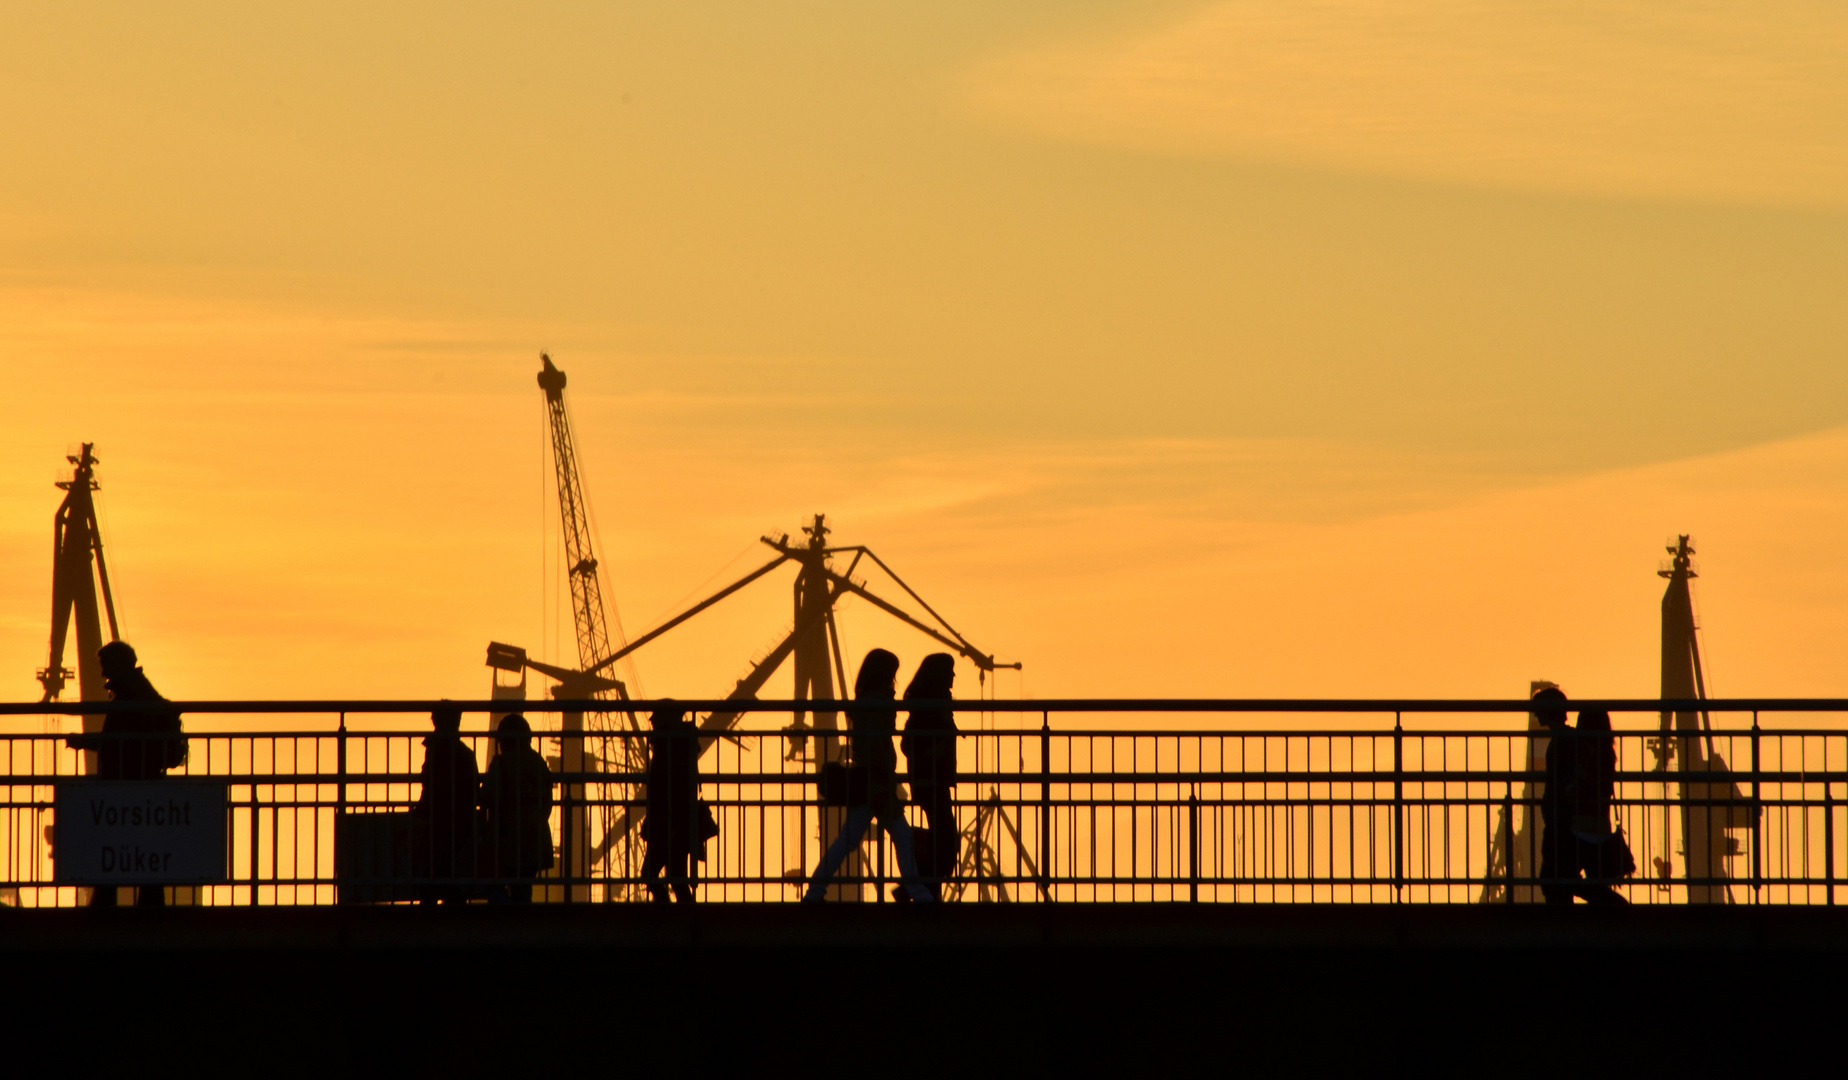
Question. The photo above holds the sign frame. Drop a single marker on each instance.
(141, 832)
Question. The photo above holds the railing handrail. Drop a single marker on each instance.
(965, 705)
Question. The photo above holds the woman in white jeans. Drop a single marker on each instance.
(872, 727)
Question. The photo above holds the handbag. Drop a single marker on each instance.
(843, 785)
(1615, 859)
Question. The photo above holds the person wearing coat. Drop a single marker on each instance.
(675, 843)
(140, 744)
(930, 762)
(516, 797)
(445, 811)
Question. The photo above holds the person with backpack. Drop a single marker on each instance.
(873, 718)
(516, 796)
(138, 744)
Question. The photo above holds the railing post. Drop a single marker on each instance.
(340, 798)
(340, 767)
(1508, 824)
(1398, 808)
(1045, 822)
(256, 831)
(1193, 847)
(1828, 826)
(1758, 815)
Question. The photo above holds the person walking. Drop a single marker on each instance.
(517, 797)
(672, 827)
(1594, 784)
(1563, 855)
(445, 811)
(873, 718)
(930, 761)
(140, 744)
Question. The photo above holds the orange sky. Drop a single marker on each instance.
(1227, 349)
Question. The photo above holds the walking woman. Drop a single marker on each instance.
(673, 803)
(930, 759)
(873, 717)
(1593, 785)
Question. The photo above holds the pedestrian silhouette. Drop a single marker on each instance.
(1602, 852)
(141, 744)
(516, 796)
(873, 718)
(445, 812)
(673, 825)
(930, 761)
(1563, 855)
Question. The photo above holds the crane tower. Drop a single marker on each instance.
(78, 575)
(590, 617)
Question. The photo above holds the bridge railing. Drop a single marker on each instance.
(1276, 801)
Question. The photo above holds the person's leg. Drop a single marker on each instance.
(653, 864)
(684, 888)
(103, 896)
(521, 893)
(1556, 862)
(945, 836)
(151, 896)
(892, 820)
(852, 830)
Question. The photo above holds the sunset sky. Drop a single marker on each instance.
(1231, 349)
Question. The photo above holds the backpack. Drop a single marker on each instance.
(172, 750)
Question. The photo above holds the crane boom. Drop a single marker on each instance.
(593, 636)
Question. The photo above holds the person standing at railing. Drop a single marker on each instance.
(930, 759)
(873, 719)
(138, 745)
(673, 827)
(517, 798)
(1562, 854)
(445, 811)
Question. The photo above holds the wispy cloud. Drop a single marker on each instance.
(1730, 100)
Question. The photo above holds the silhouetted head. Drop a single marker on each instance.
(934, 677)
(878, 675)
(513, 732)
(447, 719)
(666, 717)
(117, 659)
(1550, 707)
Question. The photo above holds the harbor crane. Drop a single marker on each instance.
(812, 645)
(78, 576)
(595, 631)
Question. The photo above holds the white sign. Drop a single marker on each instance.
(134, 832)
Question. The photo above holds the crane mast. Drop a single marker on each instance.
(591, 619)
(593, 636)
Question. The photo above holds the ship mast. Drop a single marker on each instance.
(1713, 804)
